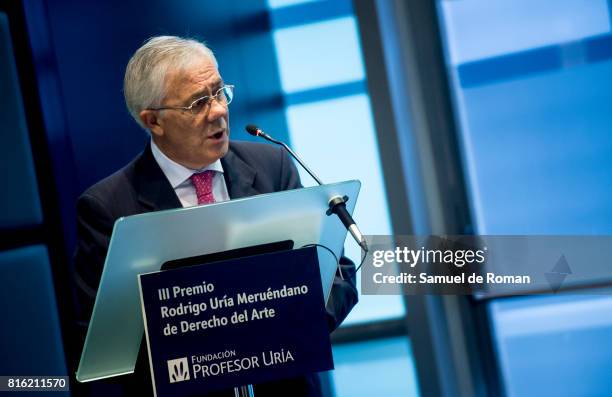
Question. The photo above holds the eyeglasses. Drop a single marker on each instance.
(223, 96)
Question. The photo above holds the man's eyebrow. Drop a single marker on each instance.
(198, 95)
(202, 93)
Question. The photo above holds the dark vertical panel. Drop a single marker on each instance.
(47, 123)
(50, 232)
(20, 204)
(452, 346)
(390, 143)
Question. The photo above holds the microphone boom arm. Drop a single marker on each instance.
(294, 155)
(337, 204)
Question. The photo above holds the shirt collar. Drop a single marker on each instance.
(175, 172)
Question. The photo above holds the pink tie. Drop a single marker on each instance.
(202, 182)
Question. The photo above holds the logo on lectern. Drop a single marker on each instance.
(178, 370)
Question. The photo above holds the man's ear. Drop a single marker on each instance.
(150, 118)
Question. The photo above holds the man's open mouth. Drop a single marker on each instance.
(218, 135)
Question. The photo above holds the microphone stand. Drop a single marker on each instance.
(244, 391)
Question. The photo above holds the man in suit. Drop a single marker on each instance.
(173, 89)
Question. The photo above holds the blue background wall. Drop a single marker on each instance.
(66, 127)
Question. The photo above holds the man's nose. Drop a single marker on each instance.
(216, 111)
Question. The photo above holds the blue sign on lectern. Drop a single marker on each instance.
(243, 321)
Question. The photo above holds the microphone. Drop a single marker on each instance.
(337, 204)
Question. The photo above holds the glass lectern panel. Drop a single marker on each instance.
(142, 243)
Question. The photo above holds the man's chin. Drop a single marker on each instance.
(219, 150)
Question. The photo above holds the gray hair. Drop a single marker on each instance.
(144, 84)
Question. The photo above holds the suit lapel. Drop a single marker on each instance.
(154, 190)
(239, 176)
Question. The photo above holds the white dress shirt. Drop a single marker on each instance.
(178, 175)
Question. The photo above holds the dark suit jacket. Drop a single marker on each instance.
(141, 186)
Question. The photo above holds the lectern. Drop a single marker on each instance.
(142, 243)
